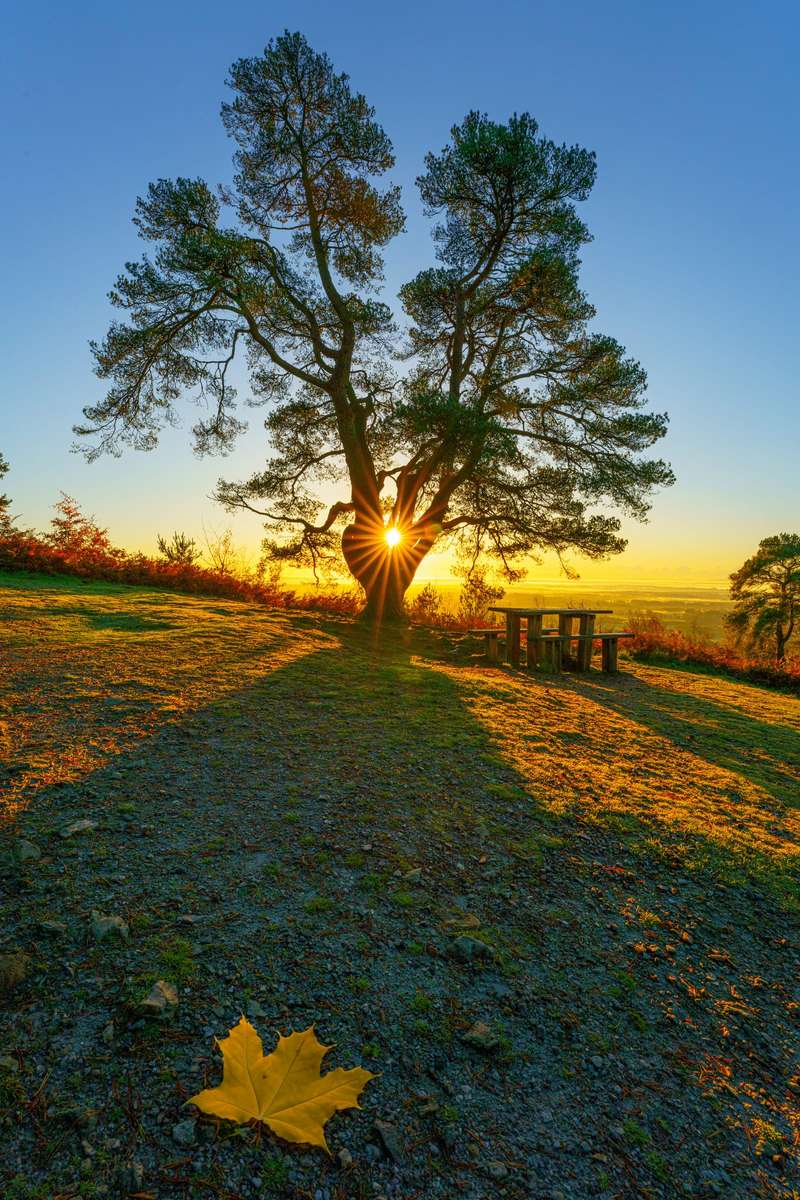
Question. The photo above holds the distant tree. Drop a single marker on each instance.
(426, 605)
(6, 519)
(766, 594)
(476, 594)
(78, 536)
(180, 549)
(221, 552)
(510, 420)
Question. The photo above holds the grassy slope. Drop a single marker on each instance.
(629, 845)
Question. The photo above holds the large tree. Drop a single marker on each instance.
(496, 418)
(766, 594)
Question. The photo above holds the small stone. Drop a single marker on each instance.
(25, 851)
(52, 928)
(467, 949)
(14, 969)
(390, 1138)
(83, 826)
(597, 1061)
(497, 1170)
(7, 1063)
(131, 1176)
(465, 920)
(345, 1158)
(189, 919)
(161, 996)
(108, 1033)
(255, 1010)
(183, 1132)
(103, 927)
(482, 1038)
(414, 875)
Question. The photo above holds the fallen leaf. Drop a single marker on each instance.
(284, 1090)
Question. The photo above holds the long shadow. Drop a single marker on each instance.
(333, 825)
(124, 622)
(766, 754)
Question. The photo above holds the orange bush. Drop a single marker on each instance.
(654, 642)
(77, 546)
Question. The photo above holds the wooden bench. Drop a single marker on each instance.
(491, 639)
(551, 645)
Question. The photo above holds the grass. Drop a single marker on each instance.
(565, 816)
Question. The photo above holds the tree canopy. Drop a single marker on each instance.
(494, 416)
(766, 594)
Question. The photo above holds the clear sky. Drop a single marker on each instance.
(692, 109)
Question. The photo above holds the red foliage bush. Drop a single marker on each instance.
(654, 643)
(77, 546)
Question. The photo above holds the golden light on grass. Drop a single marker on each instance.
(393, 536)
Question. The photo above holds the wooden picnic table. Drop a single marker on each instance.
(567, 617)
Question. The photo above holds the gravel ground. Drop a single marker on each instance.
(559, 916)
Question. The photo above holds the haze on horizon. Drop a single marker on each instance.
(693, 264)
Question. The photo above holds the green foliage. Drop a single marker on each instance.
(766, 594)
(512, 421)
(179, 549)
(5, 501)
(177, 957)
(475, 597)
(426, 606)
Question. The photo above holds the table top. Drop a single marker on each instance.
(549, 612)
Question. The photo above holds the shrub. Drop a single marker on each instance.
(654, 643)
(76, 545)
(427, 606)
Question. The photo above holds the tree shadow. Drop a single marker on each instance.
(100, 619)
(293, 814)
(766, 754)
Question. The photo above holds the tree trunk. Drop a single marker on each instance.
(780, 644)
(383, 571)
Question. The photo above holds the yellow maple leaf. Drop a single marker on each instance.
(284, 1089)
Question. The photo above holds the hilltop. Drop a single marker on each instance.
(558, 915)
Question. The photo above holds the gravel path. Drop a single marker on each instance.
(559, 916)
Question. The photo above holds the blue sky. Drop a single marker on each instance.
(692, 109)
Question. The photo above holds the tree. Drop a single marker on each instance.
(766, 594)
(6, 520)
(221, 552)
(510, 418)
(79, 537)
(180, 549)
(475, 597)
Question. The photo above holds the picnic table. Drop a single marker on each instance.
(552, 648)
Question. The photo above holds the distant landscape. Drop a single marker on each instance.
(695, 611)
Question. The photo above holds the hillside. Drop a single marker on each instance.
(558, 915)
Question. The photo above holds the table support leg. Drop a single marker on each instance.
(513, 623)
(534, 642)
(585, 629)
(564, 631)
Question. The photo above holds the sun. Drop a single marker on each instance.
(393, 535)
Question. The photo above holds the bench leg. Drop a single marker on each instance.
(610, 655)
(564, 630)
(534, 642)
(512, 639)
(551, 654)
